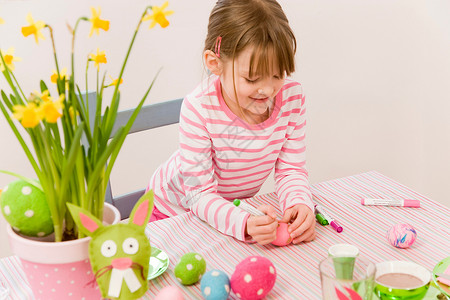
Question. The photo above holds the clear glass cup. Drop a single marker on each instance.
(358, 284)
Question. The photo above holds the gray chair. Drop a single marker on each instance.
(151, 116)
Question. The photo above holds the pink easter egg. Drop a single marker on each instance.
(253, 278)
(401, 235)
(170, 293)
(283, 236)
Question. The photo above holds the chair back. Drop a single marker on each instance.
(151, 116)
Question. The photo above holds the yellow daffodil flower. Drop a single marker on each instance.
(99, 58)
(97, 23)
(158, 16)
(9, 59)
(51, 109)
(2, 21)
(114, 81)
(72, 113)
(29, 116)
(45, 96)
(33, 28)
(62, 74)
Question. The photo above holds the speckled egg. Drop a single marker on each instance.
(170, 293)
(253, 278)
(215, 285)
(401, 235)
(25, 208)
(190, 268)
(283, 236)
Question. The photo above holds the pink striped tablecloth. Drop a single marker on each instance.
(297, 265)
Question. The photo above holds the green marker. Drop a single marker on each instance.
(322, 219)
(247, 208)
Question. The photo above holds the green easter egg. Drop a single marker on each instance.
(190, 268)
(25, 208)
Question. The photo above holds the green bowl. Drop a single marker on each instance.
(392, 291)
(440, 268)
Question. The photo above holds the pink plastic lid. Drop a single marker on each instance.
(412, 203)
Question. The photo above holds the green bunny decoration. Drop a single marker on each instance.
(119, 253)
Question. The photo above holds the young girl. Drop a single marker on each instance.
(239, 124)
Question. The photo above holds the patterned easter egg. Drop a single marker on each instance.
(253, 278)
(401, 235)
(215, 285)
(25, 208)
(283, 236)
(190, 268)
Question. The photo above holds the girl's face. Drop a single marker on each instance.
(255, 94)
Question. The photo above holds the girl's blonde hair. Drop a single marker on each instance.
(258, 23)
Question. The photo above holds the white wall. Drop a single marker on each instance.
(375, 74)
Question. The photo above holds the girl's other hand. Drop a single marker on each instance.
(303, 227)
(263, 229)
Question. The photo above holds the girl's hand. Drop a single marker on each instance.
(303, 227)
(263, 229)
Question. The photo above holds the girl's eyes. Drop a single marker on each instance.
(251, 81)
(277, 77)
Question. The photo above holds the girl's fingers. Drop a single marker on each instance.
(268, 210)
(265, 238)
(307, 236)
(261, 225)
(288, 214)
(307, 223)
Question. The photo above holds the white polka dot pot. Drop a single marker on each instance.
(59, 270)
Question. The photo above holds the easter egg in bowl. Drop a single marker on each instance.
(399, 280)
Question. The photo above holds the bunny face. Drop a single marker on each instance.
(122, 253)
(117, 242)
(119, 253)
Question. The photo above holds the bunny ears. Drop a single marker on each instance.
(88, 223)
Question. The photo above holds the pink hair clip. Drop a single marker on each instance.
(217, 46)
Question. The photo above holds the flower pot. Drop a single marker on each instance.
(59, 270)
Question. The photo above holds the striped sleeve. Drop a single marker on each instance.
(291, 176)
(197, 171)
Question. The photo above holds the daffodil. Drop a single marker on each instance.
(99, 58)
(114, 81)
(97, 23)
(51, 110)
(159, 16)
(72, 113)
(34, 28)
(2, 21)
(45, 96)
(9, 59)
(62, 74)
(29, 115)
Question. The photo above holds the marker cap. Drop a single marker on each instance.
(336, 226)
(321, 219)
(411, 203)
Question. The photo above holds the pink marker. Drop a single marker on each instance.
(391, 202)
(319, 209)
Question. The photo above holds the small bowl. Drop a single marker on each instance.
(440, 268)
(387, 289)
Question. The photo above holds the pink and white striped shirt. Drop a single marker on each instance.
(222, 157)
